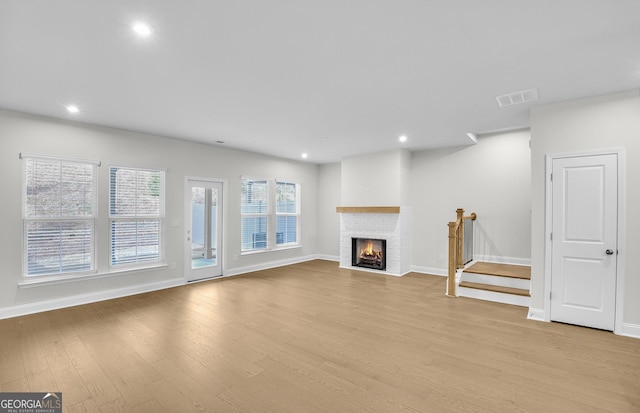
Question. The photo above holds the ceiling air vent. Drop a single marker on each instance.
(516, 98)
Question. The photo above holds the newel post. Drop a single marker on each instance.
(451, 280)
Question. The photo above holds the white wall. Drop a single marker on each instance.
(329, 178)
(39, 135)
(492, 179)
(598, 123)
(378, 179)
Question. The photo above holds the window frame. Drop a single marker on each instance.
(295, 214)
(257, 215)
(271, 216)
(136, 217)
(87, 221)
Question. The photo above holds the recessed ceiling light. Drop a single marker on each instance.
(305, 155)
(142, 29)
(72, 109)
(402, 138)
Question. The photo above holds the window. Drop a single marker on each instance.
(59, 215)
(136, 213)
(254, 211)
(258, 214)
(286, 213)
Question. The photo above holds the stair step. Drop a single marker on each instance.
(522, 283)
(502, 270)
(495, 288)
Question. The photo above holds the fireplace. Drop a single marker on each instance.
(369, 253)
(389, 224)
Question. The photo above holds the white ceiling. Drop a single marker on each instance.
(331, 78)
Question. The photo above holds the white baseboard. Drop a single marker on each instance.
(429, 270)
(630, 330)
(335, 258)
(502, 260)
(487, 258)
(57, 303)
(536, 314)
(268, 265)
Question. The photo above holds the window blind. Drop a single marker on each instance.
(59, 212)
(254, 209)
(259, 217)
(287, 211)
(136, 211)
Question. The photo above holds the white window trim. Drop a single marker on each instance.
(296, 214)
(272, 216)
(143, 265)
(266, 214)
(45, 278)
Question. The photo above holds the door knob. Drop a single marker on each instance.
(609, 252)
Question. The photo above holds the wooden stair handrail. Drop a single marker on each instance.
(456, 247)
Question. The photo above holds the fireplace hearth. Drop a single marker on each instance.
(369, 253)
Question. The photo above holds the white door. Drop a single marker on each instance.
(203, 248)
(584, 240)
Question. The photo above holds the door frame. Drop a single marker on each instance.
(621, 260)
(187, 223)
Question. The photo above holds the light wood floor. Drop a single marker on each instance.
(313, 338)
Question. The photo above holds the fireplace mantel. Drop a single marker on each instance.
(369, 210)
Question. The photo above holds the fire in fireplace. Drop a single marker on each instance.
(369, 253)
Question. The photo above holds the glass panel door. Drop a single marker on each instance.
(204, 210)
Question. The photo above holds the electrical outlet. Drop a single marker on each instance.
(173, 265)
(440, 258)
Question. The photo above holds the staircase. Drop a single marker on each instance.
(502, 283)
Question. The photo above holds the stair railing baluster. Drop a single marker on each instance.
(456, 249)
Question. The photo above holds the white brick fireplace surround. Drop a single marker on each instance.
(393, 224)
